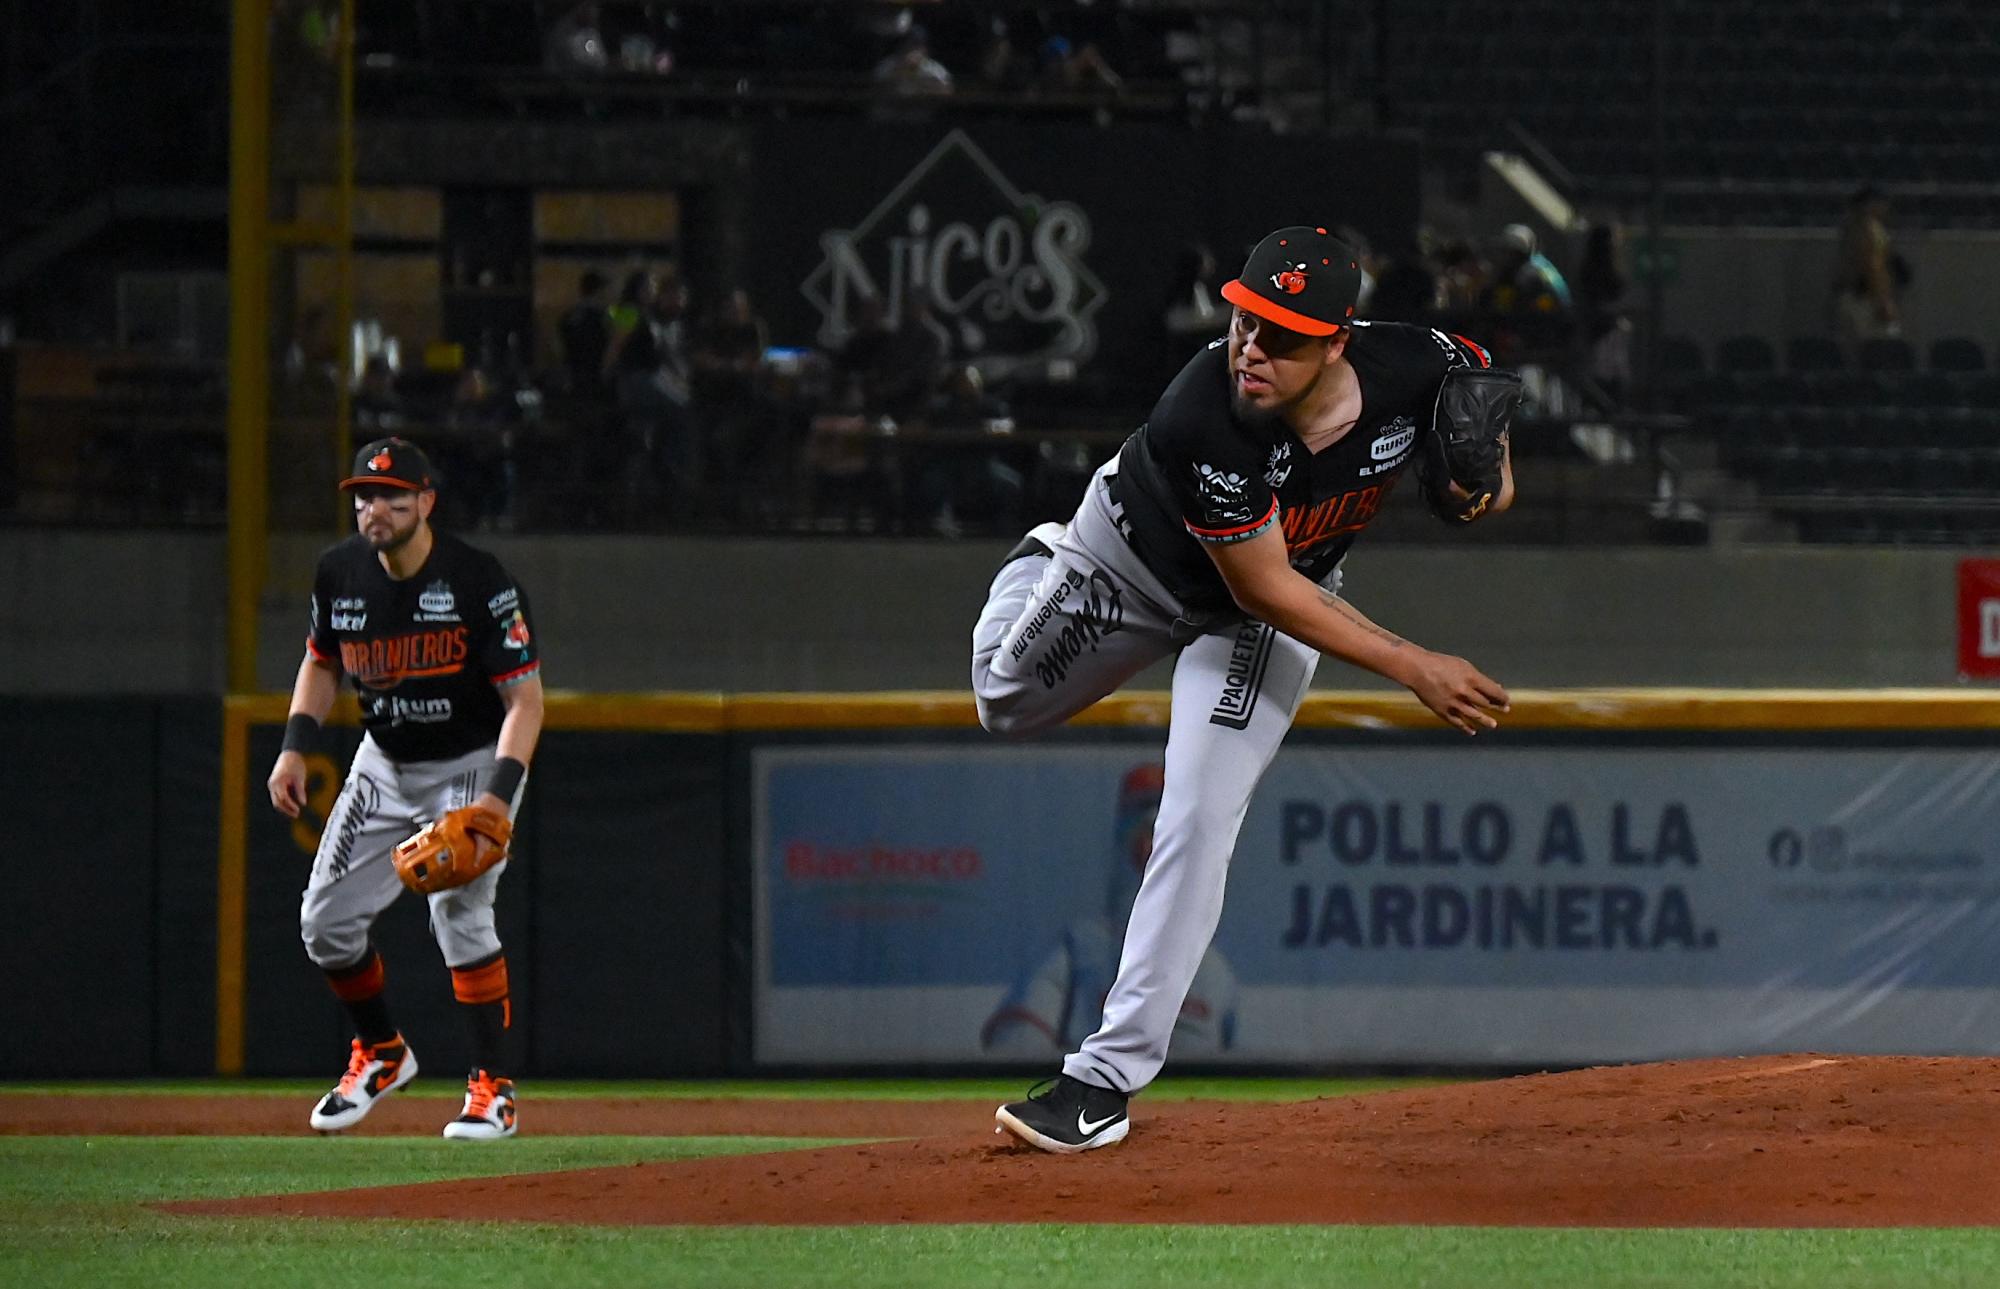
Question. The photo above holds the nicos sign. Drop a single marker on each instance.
(1002, 269)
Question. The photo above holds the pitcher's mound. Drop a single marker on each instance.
(1801, 1140)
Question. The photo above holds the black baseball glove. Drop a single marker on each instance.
(1467, 441)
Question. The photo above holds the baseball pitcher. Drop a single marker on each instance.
(1216, 535)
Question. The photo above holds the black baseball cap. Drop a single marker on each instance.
(390, 463)
(1300, 277)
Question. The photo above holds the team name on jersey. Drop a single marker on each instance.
(385, 662)
(1346, 513)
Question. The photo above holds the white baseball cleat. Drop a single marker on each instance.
(373, 1072)
(489, 1109)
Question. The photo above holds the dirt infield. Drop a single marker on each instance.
(1788, 1141)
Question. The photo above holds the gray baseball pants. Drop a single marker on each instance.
(354, 879)
(1058, 634)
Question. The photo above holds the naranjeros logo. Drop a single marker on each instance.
(1003, 270)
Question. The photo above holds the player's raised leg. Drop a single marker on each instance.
(1070, 616)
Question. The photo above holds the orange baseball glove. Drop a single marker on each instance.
(447, 853)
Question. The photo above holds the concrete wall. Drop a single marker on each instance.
(100, 613)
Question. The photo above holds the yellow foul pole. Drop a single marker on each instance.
(249, 329)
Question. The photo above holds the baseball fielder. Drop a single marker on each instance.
(435, 636)
(1216, 535)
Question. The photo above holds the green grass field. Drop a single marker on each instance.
(72, 1213)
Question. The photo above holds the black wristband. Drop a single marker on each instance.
(301, 733)
(507, 776)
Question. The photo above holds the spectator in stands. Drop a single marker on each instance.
(1406, 288)
(863, 355)
(575, 44)
(1523, 279)
(1462, 277)
(914, 361)
(1073, 69)
(1367, 260)
(1865, 283)
(910, 69)
(1194, 314)
(647, 360)
(1191, 310)
(961, 486)
(642, 45)
(726, 359)
(476, 452)
(1604, 325)
(1000, 67)
(585, 335)
(377, 405)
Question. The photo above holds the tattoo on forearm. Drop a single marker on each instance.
(1341, 607)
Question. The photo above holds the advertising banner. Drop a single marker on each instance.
(1979, 617)
(1474, 905)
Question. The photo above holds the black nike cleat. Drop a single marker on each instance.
(1066, 1116)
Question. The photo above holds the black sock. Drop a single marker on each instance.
(371, 1020)
(487, 1023)
(482, 990)
(359, 989)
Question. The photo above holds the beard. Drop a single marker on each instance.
(1253, 416)
(1262, 416)
(395, 541)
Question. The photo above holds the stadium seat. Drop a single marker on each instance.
(1958, 354)
(1681, 356)
(1984, 391)
(1887, 353)
(1745, 354)
(1813, 353)
(1926, 389)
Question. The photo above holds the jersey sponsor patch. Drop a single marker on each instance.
(1225, 494)
(1394, 440)
(1249, 655)
(516, 636)
(350, 613)
(418, 711)
(1098, 611)
(502, 604)
(1278, 467)
(437, 604)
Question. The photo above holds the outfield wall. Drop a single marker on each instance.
(93, 613)
(710, 883)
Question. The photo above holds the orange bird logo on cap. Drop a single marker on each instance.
(1291, 281)
(381, 460)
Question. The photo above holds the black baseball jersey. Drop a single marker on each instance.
(1193, 473)
(424, 653)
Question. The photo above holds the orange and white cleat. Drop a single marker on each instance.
(489, 1109)
(373, 1072)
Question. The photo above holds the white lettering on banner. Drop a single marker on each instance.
(1989, 628)
(1002, 269)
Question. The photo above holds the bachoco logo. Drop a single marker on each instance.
(1001, 269)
